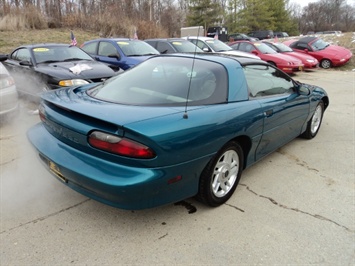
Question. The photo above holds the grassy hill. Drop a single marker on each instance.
(11, 39)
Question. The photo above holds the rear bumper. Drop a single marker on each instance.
(113, 184)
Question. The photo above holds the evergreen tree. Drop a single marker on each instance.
(204, 13)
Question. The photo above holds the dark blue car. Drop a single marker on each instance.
(173, 127)
(119, 53)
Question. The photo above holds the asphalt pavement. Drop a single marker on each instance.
(296, 206)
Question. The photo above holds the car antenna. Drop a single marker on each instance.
(185, 116)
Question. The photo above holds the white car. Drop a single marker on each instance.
(8, 92)
(212, 45)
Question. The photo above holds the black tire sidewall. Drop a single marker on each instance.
(205, 193)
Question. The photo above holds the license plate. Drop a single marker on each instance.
(55, 170)
(301, 68)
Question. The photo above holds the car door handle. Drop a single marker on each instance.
(268, 113)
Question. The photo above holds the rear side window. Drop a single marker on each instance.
(167, 81)
(21, 55)
(90, 48)
(165, 48)
(106, 49)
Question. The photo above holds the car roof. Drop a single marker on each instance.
(166, 39)
(113, 39)
(307, 39)
(37, 45)
(203, 38)
(218, 57)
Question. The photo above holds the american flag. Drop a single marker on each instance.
(216, 35)
(73, 39)
(135, 36)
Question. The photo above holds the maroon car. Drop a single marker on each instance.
(328, 55)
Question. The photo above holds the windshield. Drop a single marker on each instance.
(283, 47)
(319, 44)
(167, 81)
(264, 48)
(136, 48)
(59, 54)
(186, 47)
(218, 46)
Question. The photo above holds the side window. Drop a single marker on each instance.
(302, 46)
(21, 55)
(106, 49)
(90, 48)
(201, 44)
(246, 47)
(164, 48)
(264, 81)
(235, 46)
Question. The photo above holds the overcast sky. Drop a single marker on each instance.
(304, 3)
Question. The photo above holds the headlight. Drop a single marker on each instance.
(72, 82)
(310, 60)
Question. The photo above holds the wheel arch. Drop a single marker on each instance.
(245, 142)
(325, 100)
(326, 59)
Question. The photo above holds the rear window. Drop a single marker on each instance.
(172, 81)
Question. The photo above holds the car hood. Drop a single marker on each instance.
(301, 55)
(336, 51)
(240, 53)
(281, 56)
(81, 69)
(78, 101)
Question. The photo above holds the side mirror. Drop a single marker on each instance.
(302, 90)
(205, 49)
(115, 68)
(25, 63)
(3, 57)
(255, 52)
(114, 56)
(306, 50)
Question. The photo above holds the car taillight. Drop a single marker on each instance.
(121, 146)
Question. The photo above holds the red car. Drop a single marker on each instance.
(284, 62)
(328, 55)
(309, 61)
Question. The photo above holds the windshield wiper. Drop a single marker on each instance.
(142, 54)
(49, 61)
(73, 59)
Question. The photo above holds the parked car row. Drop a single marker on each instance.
(41, 67)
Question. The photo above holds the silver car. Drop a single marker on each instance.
(8, 93)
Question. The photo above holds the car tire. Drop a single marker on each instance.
(325, 63)
(221, 176)
(315, 122)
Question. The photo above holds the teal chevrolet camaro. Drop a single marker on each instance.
(173, 127)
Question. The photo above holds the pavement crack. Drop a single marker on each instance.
(297, 160)
(45, 217)
(7, 137)
(317, 216)
(163, 236)
(230, 205)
